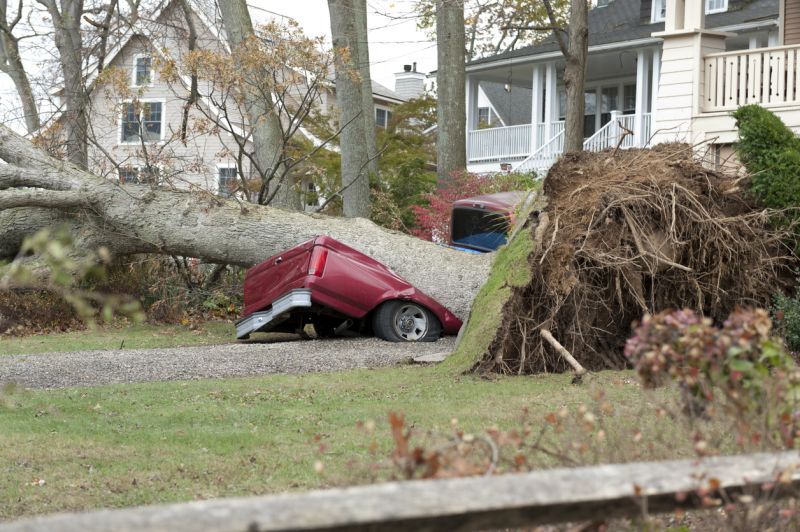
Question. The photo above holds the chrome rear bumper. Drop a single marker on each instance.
(257, 321)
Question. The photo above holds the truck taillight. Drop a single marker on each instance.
(318, 258)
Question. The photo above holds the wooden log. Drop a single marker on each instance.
(566, 355)
(476, 503)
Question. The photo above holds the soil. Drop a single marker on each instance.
(628, 233)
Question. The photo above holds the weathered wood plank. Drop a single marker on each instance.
(550, 496)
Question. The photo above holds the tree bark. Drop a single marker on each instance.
(451, 143)
(262, 114)
(67, 34)
(136, 219)
(575, 75)
(349, 100)
(368, 105)
(11, 64)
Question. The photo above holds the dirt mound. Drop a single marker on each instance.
(630, 233)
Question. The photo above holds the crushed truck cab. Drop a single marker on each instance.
(335, 288)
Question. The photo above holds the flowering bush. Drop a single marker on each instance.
(741, 360)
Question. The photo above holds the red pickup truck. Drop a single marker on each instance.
(334, 287)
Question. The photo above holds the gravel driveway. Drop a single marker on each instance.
(89, 368)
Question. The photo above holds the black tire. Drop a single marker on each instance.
(405, 321)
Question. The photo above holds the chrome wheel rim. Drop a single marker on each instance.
(410, 323)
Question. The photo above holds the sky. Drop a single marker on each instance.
(394, 39)
(393, 35)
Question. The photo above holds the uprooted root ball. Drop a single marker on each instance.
(630, 233)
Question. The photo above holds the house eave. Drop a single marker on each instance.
(620, 45)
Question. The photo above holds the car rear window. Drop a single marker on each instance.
(479, 229)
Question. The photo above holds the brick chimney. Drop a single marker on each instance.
(409, 83)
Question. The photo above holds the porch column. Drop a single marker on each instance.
(653, 93)
(551, 101)
(472, 104)
(537, 88)
(642, 83)
(695, 15)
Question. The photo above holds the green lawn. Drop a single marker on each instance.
(130, 337)
(126, 445)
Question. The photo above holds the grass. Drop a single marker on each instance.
(510, 269)
(130, 337)
(127, 445)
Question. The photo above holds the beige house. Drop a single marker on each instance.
(142, 123)
(663, 69)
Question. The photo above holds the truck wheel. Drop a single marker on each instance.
(404, 321)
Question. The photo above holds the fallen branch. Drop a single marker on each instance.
(579, 370)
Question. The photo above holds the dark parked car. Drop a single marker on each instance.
(481, 223)
(334, 287)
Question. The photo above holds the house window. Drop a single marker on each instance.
(382, 117)
(134, 175)
(129, 176)
(142, 71)
(608, 102)
(483, 116)
(144, 117)
(716, 6)
(228, 181)
(589, 112)
(659, 9)
(629, 100)
(311, 194)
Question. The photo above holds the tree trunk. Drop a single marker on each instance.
(368, 105)
(11, 64)
(262, 114)
(451, 143)
(37, 191)
(67, 34)
(575, 75)
(355, 177)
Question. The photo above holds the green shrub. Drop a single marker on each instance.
(771, 153)
(785, 313)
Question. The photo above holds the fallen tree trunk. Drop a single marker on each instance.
(38, 191)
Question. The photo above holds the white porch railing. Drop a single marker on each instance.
(542, 159)
(550, 147)
(609, 135)
(499, 143)
(766, 76)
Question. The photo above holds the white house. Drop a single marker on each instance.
(129, 137)
(664, 69)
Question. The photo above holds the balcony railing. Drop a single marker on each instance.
(766, 76)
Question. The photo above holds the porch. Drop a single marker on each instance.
(522, 122)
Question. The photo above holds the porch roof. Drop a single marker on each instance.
(629, 20)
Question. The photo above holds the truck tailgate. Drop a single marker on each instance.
(272, 278)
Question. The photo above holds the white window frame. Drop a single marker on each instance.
(655, 9)
(388, 117)
(122, 112)
(722, 9)
(139, 168)
(136, 168)
(136, 58)
(225, 166)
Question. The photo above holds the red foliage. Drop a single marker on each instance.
(432, 221)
